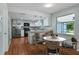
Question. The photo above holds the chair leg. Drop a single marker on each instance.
(74, 46)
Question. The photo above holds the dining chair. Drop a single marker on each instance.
(36, 37)
(69, 48)
(74, 43)
(52, 47)
(71, 44)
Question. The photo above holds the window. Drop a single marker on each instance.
(65, 24)
(39, 23)
(42, 22)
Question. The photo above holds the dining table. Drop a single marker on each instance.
(55, 39)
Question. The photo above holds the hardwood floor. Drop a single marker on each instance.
(20, 46)
(68, 51)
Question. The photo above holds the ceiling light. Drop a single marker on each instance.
(48, 5)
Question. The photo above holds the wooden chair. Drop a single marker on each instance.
(74, 43)
(52, 47)
(36, 38)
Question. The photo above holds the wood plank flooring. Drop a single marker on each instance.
(20, 46)
(68, 51)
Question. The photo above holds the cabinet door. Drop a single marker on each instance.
(1, 35)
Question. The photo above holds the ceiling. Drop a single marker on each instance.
(39, 6)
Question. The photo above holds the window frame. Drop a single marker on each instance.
(63, 16)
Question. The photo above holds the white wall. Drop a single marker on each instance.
(72, 10)
(4, 14)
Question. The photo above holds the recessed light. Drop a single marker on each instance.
(48, 5)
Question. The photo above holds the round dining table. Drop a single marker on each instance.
(55, 39)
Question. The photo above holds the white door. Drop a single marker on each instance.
(1, 35)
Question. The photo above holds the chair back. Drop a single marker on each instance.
(52, 45)
(73, 39)
(74, 43)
